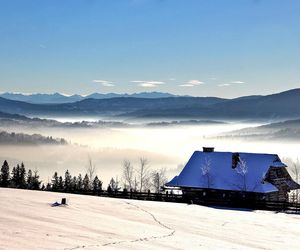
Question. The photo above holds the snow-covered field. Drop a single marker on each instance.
(27, 221)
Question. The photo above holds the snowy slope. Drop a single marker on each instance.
(29, 222)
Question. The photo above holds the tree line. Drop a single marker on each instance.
(138, 179)
(21, 138)
(19, 177)
(74, 183)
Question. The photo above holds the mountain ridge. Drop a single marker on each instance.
(281, 105)
(56, 98)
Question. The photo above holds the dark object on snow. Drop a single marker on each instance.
(55, 204)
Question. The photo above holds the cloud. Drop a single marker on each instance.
(195, 82)
(186, 85)
(155, 82)
(172, 79)
(236, 82)
(137, 81)
(192, 83)
(104, 83)
(230, 83)
(148, 84)
(225, 85)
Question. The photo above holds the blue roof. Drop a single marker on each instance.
(223, 176)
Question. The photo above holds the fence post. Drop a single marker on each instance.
(63, 201)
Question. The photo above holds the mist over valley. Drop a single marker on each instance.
(108, 139)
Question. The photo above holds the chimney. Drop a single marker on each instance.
(235, 159)
(208, 149)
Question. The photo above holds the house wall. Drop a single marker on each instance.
(226, 197)
(278, 177)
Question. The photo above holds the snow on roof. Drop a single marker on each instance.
(278, 164)
(223, 176)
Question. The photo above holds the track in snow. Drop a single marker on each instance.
(137, 240)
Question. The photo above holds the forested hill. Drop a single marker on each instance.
(287, 130)
(35, 139)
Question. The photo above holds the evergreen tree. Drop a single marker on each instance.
(60, 183)
(35, 181)
(86, 183)
(109, 189)
(29, 179)
(67, 181)
(22, 176)
(114, 185)
(97, 184)
(55, 181)
(14, 176)
(48, 186)
(4, 175)
(79, 182)
(74, 184)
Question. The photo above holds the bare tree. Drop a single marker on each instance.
(143, 174)
(127, 174)
(158, 179)
(206, 171)
(242, 170)
(90, 170)
(135, 184)
(296, 175)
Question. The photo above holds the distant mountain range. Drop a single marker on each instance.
(14, 120)
(120, 106)
(60, 98)
(284, 105)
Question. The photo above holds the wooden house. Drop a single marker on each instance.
(234, 176)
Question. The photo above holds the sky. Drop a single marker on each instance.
(190, 47)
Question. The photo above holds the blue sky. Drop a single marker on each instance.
(206, 48)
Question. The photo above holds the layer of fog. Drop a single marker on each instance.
(164, 147)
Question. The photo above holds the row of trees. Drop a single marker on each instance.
(75, 183)
(140, 178)
(19, 177)
(21, 138)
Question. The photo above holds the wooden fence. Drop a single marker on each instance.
(167, 197)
